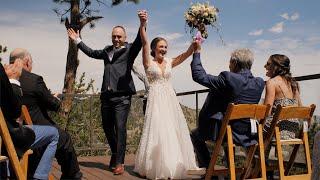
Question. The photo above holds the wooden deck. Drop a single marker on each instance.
(96, 167)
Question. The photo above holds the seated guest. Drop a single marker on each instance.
(237, 86)
(25, 137)
(39, 100)
(281, 89)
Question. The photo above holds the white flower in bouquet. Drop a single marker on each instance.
(199, 15)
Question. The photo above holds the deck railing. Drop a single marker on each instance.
(84, 122)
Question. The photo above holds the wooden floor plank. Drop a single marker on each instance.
(97, 167)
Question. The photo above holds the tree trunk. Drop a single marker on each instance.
(72, 60)
(70, 76)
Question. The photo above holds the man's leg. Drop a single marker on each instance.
(200, 149)
(67, 157)
(45, 136)
(108, 124)
(122, 109)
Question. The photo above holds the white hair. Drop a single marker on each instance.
(243, 57)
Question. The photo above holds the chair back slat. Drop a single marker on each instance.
(253, 111)
(25, 115)
(294, 112)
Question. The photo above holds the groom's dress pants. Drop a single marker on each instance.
(115, 110)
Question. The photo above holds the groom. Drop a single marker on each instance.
(117, 87)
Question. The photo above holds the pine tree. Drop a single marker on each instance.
(78, 14)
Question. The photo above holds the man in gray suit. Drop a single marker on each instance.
(117, 87)
(237, 86)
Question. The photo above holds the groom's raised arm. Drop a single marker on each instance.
(200, 76)
(97, 54)
(135, 47)
(137, 43)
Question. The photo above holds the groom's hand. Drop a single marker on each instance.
(72, 34)
(143, 16)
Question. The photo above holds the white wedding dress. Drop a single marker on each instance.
(165, 149)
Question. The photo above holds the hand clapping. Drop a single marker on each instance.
(13, 71)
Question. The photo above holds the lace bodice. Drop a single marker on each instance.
(155, 74)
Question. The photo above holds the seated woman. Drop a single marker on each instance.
(281, 89)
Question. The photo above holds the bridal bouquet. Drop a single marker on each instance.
(199, 15)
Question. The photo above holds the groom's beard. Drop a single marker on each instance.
(118, 45)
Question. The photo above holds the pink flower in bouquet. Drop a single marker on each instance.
(199, 37)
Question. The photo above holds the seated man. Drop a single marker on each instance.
(25, 137)
(39, 100)
(237, 86)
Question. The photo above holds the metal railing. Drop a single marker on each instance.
(85, 120)
(197, 92)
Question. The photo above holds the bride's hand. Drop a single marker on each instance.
(143, 16)
(197, 46)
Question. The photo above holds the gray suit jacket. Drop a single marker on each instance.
(117, 71)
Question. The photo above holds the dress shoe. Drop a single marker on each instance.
(112, 163)
(119, 169)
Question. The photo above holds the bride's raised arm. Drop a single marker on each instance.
(179, 59)
(145, 45)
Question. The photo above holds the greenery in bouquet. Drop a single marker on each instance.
(200, 15)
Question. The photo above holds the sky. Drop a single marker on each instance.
(289, 27)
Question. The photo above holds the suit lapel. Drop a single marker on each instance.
(108, 49)
(119, 52)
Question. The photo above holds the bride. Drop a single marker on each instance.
(165, 149)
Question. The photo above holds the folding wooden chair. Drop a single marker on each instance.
(303, 114)
(2, 158)
(234, 113)
(27, 119)
(12, 154)
(25, 116)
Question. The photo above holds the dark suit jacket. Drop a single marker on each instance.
(117, 72)
(10, 103)
(38, 98)
(227, 87)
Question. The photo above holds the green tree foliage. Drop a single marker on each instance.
(81, 87)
